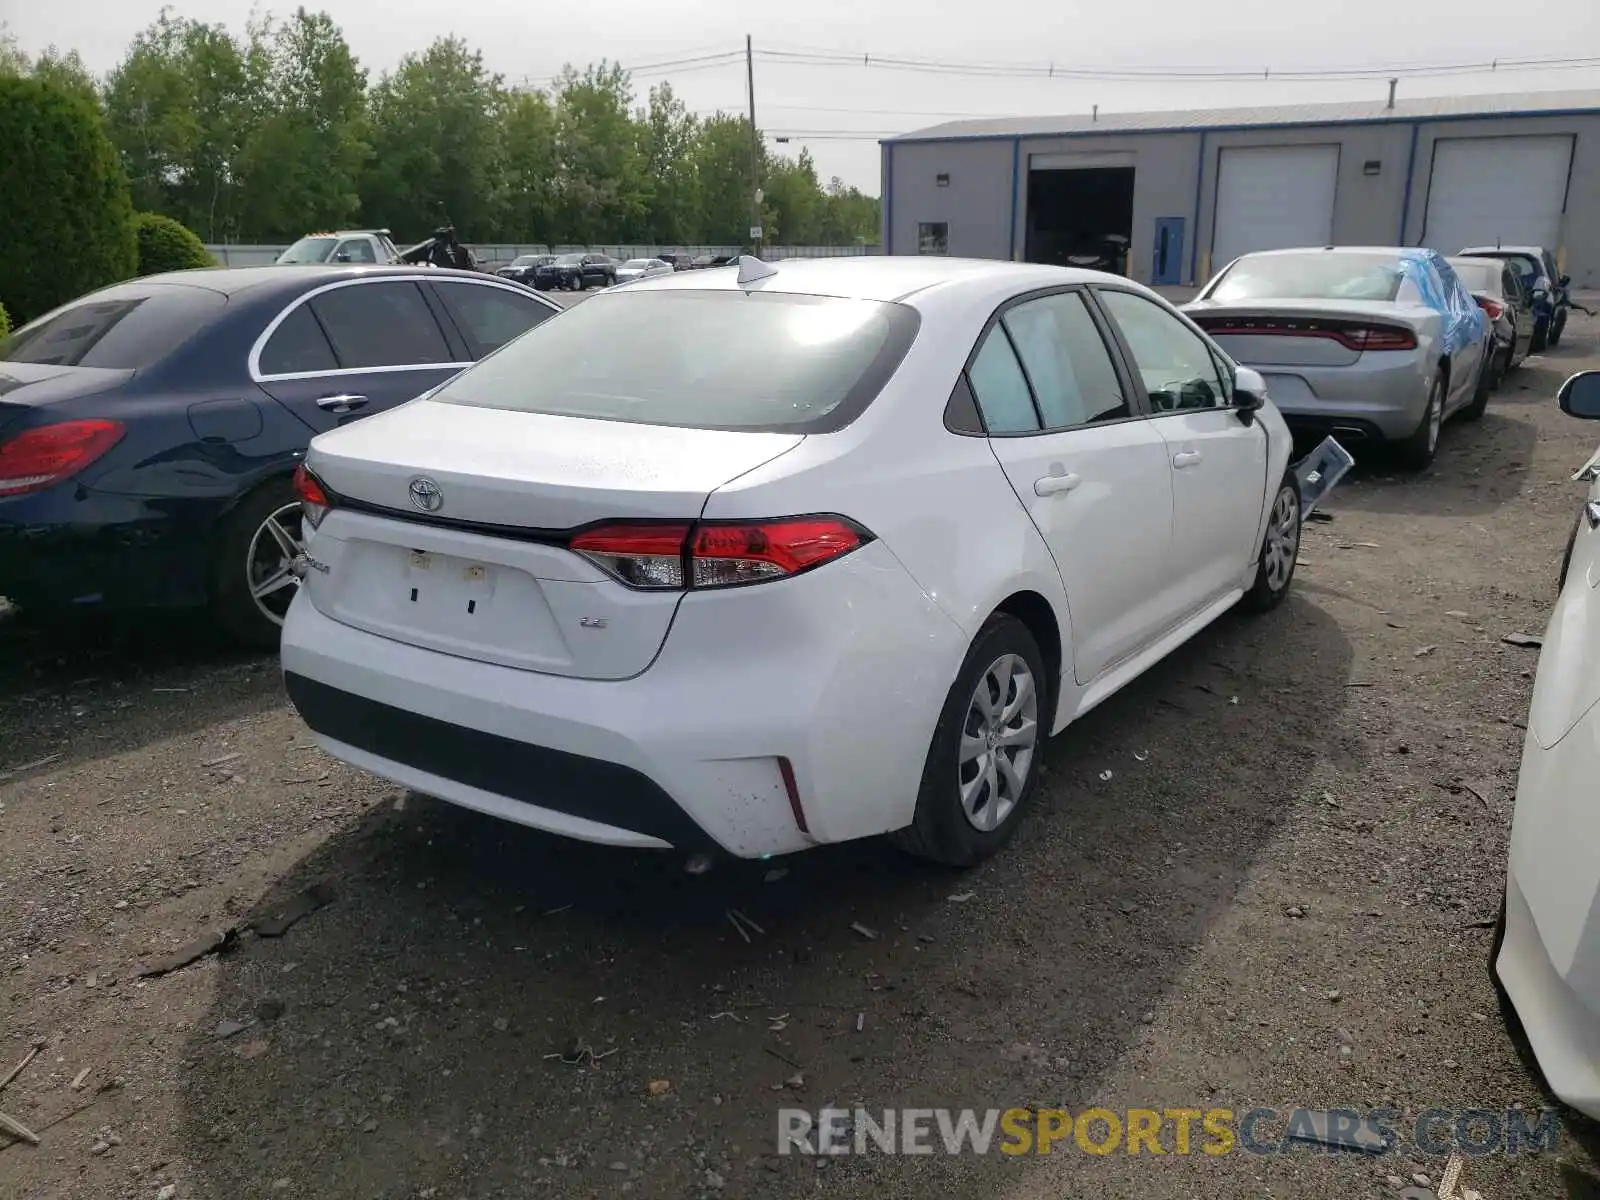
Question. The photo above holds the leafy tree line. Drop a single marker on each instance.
(279, 131)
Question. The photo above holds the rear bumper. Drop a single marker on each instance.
(1382, 393)
(73, 548)
(841, 672)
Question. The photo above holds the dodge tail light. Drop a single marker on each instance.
(1355, 335)
(713, 554)
(46, 455)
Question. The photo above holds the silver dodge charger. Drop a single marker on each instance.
(1369, 344)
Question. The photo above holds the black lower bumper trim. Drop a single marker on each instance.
(590, 788)
(1346, 429)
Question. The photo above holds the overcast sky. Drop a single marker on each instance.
(531, 40)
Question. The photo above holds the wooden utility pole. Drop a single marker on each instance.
(755, 150)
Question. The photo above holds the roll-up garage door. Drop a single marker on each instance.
(1491, 191)
(1273, 197)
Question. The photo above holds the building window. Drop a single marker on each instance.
(933, 237)
(942, 179)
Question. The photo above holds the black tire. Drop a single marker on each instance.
(1416, 452)
(232, 605)
(941, 831)
(1566, 555)
(1480, 394)
(1541, 333)
(1557, 327)
(1272, 583)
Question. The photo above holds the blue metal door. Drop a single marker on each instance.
(1167, 260)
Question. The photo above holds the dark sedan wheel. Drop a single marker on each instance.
(1557, 328)
(254, 582)
(1541, 334)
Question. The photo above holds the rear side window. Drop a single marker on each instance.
(1001, 387)
(123, 328)
(489, 317)
(297, 345)
(1066, 360)
(384, 324)
(699, 359)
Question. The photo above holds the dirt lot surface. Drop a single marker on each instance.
(1261, 876)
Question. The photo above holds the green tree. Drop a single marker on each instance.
(300, 165)
(794, 199)
(436, 144)
(605, 186)
(179, 107)
(722, 162)
(529, 175)
(66, 198)
(848, 216)
(671, 136)
(165, 245)
(5, 323)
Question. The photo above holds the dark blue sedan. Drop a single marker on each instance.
(149, 431)
(1552, 300)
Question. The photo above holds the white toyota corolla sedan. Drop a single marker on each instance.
(756, 559)
(1547, 948)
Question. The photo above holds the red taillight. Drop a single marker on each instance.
(1352, 334)
(645, 556)
(716, 554)
(314, 503)
(49, 454)
(1493, 307)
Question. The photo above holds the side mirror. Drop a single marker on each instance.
(1249, 393)
(1580, 396)
(1566, 280)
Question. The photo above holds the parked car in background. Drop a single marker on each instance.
(677, 261)
(702, 261)
(1549, 289)
(148, 431)
(1369, 344)
(1496, 286)
(642, 268)
(524, 268)
(646, 604)
(1546, 954)
(370, 246)
(578, 271)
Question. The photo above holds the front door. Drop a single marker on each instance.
(354, 349)
(1218, 463)
(1091, 474)
(1166, 263)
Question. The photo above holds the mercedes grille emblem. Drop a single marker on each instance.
(425, 494)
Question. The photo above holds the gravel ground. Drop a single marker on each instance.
(479, 1011)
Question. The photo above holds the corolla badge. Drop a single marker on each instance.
(425, 494)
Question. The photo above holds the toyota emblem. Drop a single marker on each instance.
(425, 494)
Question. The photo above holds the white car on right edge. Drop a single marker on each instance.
(1546, 952)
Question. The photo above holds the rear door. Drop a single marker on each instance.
(1218, 463)
(488, 316)
(1092, 474)
(350, 349)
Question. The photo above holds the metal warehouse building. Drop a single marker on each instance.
(1192, 190)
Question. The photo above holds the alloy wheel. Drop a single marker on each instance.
(999, 737)
(1283, 539)
(269, 562)
(1435, 416)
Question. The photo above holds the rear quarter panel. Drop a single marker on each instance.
(939, 501)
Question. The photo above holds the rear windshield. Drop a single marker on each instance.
(308, 250)
(699, 360)
(1523, 264)
(1479, 276)
(570, 260)
(124, 328)
(1310, 276)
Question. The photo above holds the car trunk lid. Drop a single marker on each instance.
(28, 389)
(450, 525)
(1307, 333)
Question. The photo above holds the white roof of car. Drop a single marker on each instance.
(874, 277)
(1534, 251)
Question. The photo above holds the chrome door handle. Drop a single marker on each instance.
(1050, 485)
(1185, 458)
(342, 403)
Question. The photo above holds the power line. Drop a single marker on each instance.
(1068, 72)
